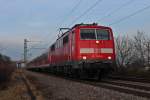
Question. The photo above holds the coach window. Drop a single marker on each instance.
(56, 46)
(59, 43)
(53, 47)
(65, 39)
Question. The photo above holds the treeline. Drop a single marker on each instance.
(133, 54)
(6, 68)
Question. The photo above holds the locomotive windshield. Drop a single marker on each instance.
(94, 34)
(87, 34)
(102, 34)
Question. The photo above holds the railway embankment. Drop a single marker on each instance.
(19, 88)
(58, 88)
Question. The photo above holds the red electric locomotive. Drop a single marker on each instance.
(85, 50)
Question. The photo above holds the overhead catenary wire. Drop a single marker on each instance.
(91, 7)
(63, 20)
(86, 11)
(132, 14)
(74, 8)
(71, 11)
(116, 10)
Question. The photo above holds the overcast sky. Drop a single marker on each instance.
(38, 20)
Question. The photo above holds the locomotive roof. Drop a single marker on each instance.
(78, 25)
(94, 24)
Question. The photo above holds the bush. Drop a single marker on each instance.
(6, 68)
(133, 71)
(5, 72)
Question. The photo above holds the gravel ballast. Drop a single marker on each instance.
(55, 88)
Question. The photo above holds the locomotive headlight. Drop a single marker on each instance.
(109, 57)
(84, 57)
(97, 42)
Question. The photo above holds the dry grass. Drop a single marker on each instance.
(16, 89)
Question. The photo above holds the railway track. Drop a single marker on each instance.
(130, 87)
(135, 88)
(129, 78)
(125, 86)
(136, 85)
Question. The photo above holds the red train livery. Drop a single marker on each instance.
(85, 50)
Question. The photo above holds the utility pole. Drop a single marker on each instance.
(25, 51)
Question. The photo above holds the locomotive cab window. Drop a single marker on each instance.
(102, 34)
(87, 34)
(94, 34)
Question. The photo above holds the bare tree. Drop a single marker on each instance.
(124, 51)
(139, 44)
(147, 51)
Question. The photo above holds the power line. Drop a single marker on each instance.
(67, 16)
(74, 8)
(117, 9)
(133, 14)
(71, 11)
(86, 11)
